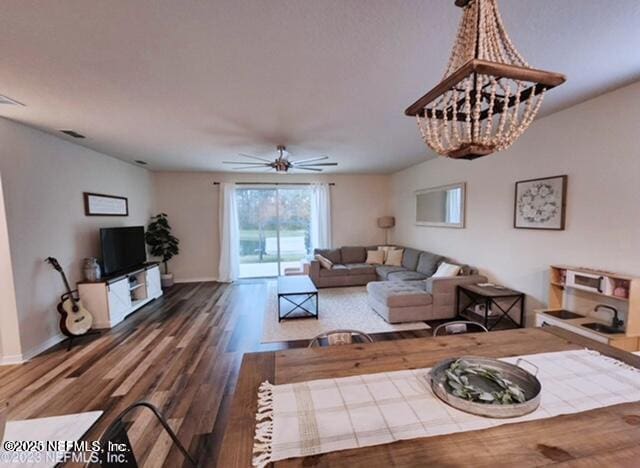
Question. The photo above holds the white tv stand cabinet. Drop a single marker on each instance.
(112, 299)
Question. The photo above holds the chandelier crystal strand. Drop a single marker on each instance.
(467, 109)
(496, 51)
(458, 48)
(503, 115)
(445, 119)
(476, 107)
(516, 58)
(455, 122)
(515, 114)
(492, 99)
(424, 132)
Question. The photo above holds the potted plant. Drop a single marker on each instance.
(162, 244)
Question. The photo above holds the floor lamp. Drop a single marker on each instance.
(386, 222)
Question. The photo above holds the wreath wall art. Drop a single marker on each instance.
(540, 203)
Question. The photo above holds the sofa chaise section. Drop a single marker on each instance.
(412, 301)
(398, 301)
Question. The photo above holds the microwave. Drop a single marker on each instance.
(591, 282)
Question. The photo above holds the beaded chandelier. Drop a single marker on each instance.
(489, 95)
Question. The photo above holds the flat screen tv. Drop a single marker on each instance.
(123, 248)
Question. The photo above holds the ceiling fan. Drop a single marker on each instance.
(281, 163)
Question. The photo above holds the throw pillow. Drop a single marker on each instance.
(375, 257)
(428, 263)
(324, 262)
(385, 249)
(394, 257)
(446, 269)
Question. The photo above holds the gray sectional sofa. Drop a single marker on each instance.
(405, 293)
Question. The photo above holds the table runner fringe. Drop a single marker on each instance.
(613, 361)
(264, 430)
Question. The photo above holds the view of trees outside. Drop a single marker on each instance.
(262, 215)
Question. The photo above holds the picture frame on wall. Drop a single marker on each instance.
(99, 204)
(541, 203)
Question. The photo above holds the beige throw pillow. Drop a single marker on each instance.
(385, 249)
(394, 257)
(375, 257)
(324, 262)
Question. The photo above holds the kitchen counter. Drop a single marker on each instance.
(619, 340)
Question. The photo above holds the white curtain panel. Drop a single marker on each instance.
(229, 266)
(320, 216)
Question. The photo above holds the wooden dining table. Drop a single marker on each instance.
(607, 436)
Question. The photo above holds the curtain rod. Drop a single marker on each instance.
(274, 183)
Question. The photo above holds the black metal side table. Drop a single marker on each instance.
(490, 297)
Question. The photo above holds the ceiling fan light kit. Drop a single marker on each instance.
(489, 95)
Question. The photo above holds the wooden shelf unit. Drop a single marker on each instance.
(557, 287)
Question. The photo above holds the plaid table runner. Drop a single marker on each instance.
(321, 416)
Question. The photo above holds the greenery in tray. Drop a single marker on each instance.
(458, 380)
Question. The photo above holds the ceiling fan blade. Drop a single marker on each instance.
(254, 157)
(319, 158)
(315, 164)
(257, 166)
(307, 168)
(244, 163)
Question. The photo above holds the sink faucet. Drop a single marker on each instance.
(615, 322)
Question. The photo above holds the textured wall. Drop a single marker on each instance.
(43, 179)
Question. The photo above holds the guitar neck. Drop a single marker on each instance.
(66, 285)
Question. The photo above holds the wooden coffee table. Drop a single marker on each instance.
(301, 293)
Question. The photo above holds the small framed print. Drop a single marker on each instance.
(98, 204)
(541, 203)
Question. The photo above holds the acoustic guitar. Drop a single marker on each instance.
(75, 320)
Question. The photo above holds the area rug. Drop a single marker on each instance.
(339, 308)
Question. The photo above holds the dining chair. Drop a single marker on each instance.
(340, 337)
(459, 327)
(116, 433)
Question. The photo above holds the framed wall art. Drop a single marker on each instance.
(98, 204)
(541, 203)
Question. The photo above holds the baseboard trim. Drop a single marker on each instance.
(11, 360)
(196, 280)
(33, 352)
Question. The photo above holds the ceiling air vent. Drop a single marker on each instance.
(72, 133)
(10, 102)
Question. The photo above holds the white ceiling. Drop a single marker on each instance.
(185, 84)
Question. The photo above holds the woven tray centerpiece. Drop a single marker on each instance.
(486, 387)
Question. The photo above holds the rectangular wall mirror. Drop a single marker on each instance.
(441, 206)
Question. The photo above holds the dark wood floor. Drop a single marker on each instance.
(182, 352)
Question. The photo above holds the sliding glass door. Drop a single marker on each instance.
(274, 229)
